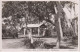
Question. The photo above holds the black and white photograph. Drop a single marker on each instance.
(39, 25)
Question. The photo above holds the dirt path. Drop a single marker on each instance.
(13, 44)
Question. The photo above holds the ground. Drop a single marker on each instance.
(13, 44)
(19, 44)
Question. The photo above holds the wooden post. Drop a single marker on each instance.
(24, 31)
(24, 28)
(38, 31)
(44, 32)
(31, 35)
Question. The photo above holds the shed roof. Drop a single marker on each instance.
(34, 25)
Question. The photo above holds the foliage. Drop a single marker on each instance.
(33, 12)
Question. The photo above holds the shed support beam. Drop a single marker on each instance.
(30, 35)
(24, 31)
(38, 30)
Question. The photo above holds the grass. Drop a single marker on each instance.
(41, 44)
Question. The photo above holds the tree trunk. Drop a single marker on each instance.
(58, 23)
(76, 27)
(61, 33)
(58, 34)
